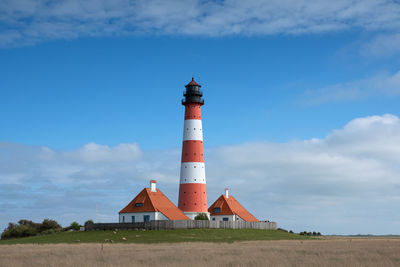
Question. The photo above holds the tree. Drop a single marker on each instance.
(74, 226)
(29, 223)
(15, 230)
(201, 217)
(88, 222)
(29, 228)
(48, 224)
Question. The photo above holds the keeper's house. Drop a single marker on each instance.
(150, 205)
(227, 208)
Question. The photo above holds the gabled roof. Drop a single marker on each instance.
(155, 201)
(230, 206)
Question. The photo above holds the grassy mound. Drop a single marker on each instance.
(166, 236)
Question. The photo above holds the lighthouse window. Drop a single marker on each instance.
(195, 179)
(194, 128)
(194, 153)
(185, 167)
(194, 167)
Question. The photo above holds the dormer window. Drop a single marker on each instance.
(217, 210)
(139, 204)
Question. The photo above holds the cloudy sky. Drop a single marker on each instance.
(301, 116)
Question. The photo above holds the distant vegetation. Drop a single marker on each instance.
(26, 228)
(302, 233)
(310, 233)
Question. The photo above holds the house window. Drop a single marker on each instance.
(225, 219)
(213, 219)
(217, 210)
(133, 219)
(138, 204)
(146, 218)
(123, 219)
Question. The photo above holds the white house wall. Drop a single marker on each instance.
(230, 218)
(139, 216)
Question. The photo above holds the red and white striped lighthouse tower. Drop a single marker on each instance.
(192, 189)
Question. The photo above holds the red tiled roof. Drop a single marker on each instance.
(155, 201)
(230, 206)
(192, 83)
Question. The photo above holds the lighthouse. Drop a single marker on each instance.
(192, 188)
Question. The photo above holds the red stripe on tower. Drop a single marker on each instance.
(192, 188)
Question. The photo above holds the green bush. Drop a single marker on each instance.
(74, 226)
(15, 230)
(48, 224)
(201, 217)
(28, 228)
(30, 223)
(88, 222)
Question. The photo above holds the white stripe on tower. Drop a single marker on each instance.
(193, 172)
(192, 130)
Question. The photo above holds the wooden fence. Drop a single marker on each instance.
(182, 224)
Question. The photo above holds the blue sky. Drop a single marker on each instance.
(90, 107)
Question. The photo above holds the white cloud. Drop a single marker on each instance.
(99, 153)
(347, 182)
(382, 85)
(384, 45)
(38, 20)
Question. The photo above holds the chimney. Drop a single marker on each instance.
(226, 192)
(153, 186)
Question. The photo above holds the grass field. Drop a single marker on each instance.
(170, 236)
(313, 252)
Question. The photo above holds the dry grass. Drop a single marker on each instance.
(324, 252)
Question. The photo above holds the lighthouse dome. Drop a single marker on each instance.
(192, 83)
